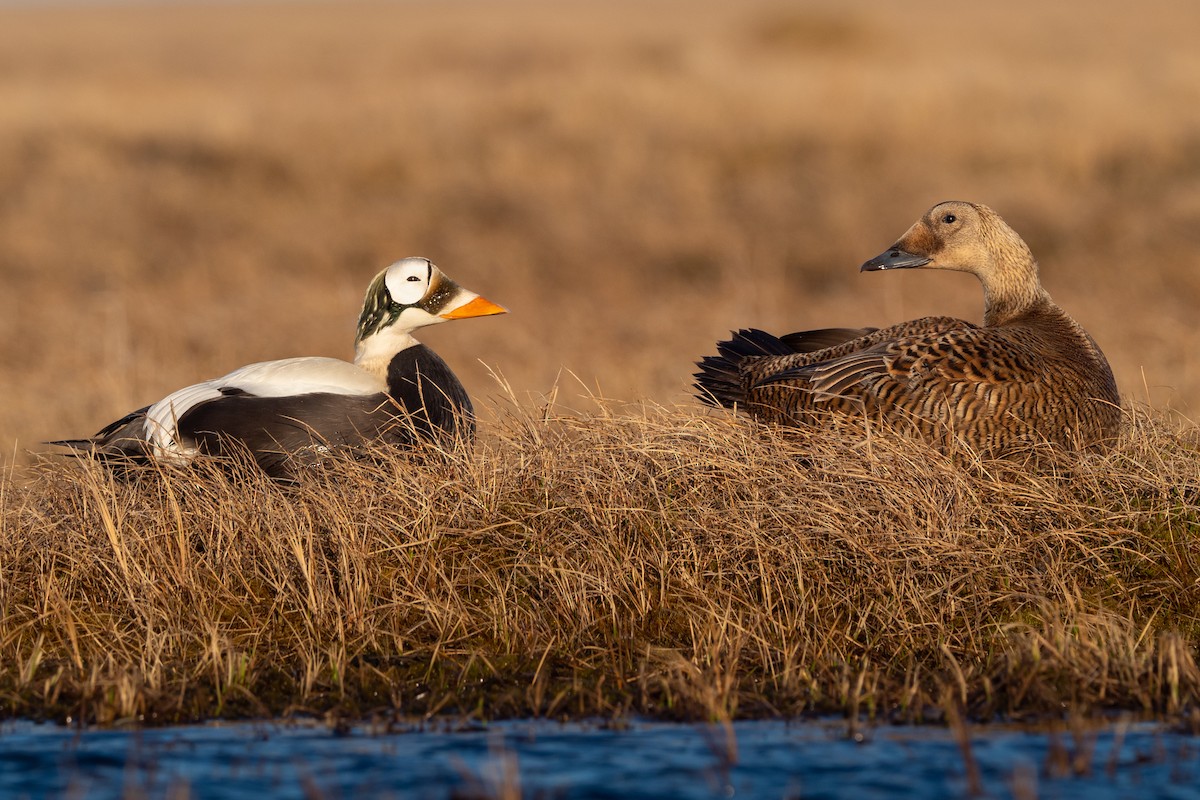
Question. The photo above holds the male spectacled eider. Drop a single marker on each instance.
(397, 390)
(1029, 375)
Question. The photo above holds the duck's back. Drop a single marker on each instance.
(1037, 378)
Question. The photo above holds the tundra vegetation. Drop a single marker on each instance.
(187, 190)
(620, 560)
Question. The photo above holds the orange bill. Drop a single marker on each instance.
(479, 307)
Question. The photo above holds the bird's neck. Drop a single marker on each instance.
(1004, 303)
(375, 352)
(1011, 289)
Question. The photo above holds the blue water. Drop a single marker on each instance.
(754, 759)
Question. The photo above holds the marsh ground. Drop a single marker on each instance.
(187, 189)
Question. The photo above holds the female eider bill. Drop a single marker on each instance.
(283, 412)
(1029, 375)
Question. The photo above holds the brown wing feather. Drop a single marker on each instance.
(994, 387)
(759, 371)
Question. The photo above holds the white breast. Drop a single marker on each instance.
(290, 376)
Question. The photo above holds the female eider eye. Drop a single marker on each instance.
(949, 219)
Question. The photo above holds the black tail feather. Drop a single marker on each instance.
(753, 342)
(719, 380)
(812, 341)
(74, 444)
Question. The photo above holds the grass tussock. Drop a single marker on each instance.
(624, 560)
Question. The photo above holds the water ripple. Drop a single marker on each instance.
(753, 759)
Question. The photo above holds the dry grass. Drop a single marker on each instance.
(186, 190)
(624, 560)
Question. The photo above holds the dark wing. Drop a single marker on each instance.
(273, 429)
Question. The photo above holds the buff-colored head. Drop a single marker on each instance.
(968, 237)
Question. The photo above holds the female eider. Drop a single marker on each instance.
(397, 390)
(1029, 375)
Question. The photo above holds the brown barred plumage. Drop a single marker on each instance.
(1029, 375)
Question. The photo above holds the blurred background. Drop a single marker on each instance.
(185, 189)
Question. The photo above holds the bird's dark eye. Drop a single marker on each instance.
(412, 278)
(949, 219)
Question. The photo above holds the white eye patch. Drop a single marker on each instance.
(408, 280)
